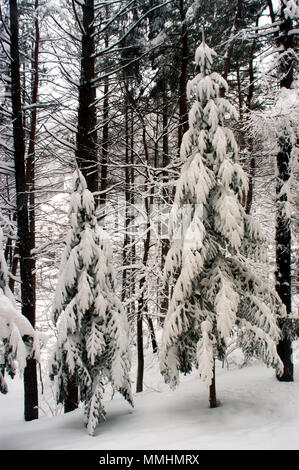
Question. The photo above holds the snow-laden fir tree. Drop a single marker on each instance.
(214, 292)
(92, 345)
(18, 340)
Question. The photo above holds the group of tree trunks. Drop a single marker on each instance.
(87, 157)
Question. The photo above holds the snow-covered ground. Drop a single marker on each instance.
(256, 412)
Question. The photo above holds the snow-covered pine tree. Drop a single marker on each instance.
(214, 292)
(92, 345)
(17, 336)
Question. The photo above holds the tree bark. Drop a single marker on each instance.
(283, 230)
(183, 110)
(128, 208)
(105, 134)
(105, 145)
(23, 227)
(283, 256)
(249, 98)
(166, 200)
(212, 390)
(87, 145)
(72, 398)
(152, 334)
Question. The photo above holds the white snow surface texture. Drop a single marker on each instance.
(256, 412)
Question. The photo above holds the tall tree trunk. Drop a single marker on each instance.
(128, 209)
(87, 145)
(183, 110)
(212, 390)
(140, 313)
(152, 334)
(250, 144)
(105, 135)
(166, 200)
(283, 229)
(30, 173)
(24, 236)
(141, 300)
(249, 197)
(105, 144)
(133, 272)
(283, 256)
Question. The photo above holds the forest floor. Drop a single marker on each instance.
(256, 412)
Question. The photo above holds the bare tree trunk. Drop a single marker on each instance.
(283, 230)
(72, 398)
(133, 271)
(166, 200)
(152, 334)
(250, 145)
(128, 189)
(183, 110)
(212, 391)
(249, 197)
(105, 135)
(140, 313)
(141, 300)
(87, 145)
(24, 236)
(105, 144)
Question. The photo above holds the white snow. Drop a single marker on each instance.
(256, 412)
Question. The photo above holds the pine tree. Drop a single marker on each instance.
(92, 344)
(214, 291)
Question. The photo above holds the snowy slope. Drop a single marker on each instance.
(257, 412)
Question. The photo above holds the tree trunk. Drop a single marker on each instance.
(283, 229)
(140, 354)
(141, 309)
(250, 147)
(126, 250)
(283, 257)
(72, 398)
(87, 146)
(249, 197)
(212, 390)
(14, 267)
(105, 143)
(24, 236)
(105, 135)
(133, 272)
(152, 334)
(183, 110)
(166, 200)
